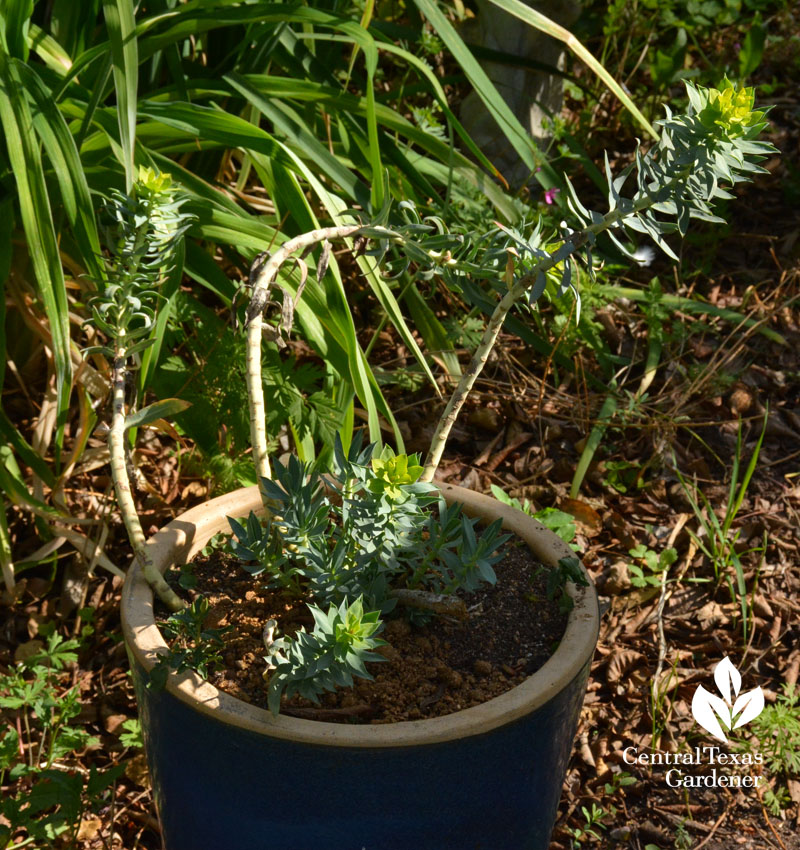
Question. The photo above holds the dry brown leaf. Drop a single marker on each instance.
(685, 601)
(640, 596)
(617, 578)
(165, 427)
(89, 828)
(34, 621)
(622, 662)
(762, 607)
(136, 770)
(113, 722)
(621, 528)
(195, 489)
(620, 834)
(583, 512)
(792, 668)
(511, 446)
(711, 615)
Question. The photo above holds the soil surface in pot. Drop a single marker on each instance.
(430, 670)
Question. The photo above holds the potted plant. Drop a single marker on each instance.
(228, 774)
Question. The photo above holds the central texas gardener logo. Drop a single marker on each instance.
(730, 710)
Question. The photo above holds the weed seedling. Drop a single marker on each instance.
(776, 736)
(568, 569)
(619, 780)
(649, 571)
(593, 820)
(683, 840)
(718, 544)
(559, 522)
(194, 647)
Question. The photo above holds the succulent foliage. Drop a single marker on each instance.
(349, 539)
(714, 143)
(142, 230)
(311, 663)
(568, 569)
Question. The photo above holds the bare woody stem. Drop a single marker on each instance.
(453, 408)
(261, 285)
(122, 487)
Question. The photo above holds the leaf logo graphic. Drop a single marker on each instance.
(730, 710)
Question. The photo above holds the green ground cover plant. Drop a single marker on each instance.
(776, 735)
(719, 542)
(667, 42)
(562, 523)
(36, 750)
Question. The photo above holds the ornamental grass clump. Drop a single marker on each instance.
(364, 538)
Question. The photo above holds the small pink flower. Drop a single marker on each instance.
(550, 195)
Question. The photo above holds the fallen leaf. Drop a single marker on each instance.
(166, 428)
(113, 722)
(711, 615)
(38, 586)
(514, 444)
(622, 662)
(196, 489)
(89, 828)
(684, 602)
(617, 578)
(34, 621)
(621, 528)
(762, 607)
(582, 512)
(487, 418)
(136, 770)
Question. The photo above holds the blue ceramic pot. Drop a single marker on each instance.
(229, 776)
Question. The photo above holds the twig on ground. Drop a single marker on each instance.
(677, 820)
(715, 826)
(764, 811)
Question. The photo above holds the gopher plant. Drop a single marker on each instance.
(357, 543)
(377, 543)
(379, 549)
(141, 234)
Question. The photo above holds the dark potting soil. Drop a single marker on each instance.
(430, 670)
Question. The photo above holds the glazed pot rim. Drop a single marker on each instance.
(179, 541)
